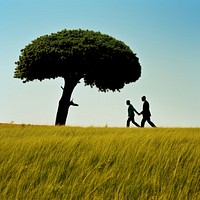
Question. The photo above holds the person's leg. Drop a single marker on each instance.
(143, 122)
(150, 122)
(135, 123)
(128, 122)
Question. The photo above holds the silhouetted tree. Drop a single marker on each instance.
(99, 59)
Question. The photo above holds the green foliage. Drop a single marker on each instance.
(43, 162)
(99, 59)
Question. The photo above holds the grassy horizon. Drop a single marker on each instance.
(48, 162)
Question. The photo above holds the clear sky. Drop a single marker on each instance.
(164, 34)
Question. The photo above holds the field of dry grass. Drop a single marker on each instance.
(47, 162)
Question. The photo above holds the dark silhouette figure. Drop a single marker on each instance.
(146, 113)
(131, 114)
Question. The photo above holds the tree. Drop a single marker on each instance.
(99, 59)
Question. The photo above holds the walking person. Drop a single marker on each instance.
(146, 113)
(131, 114)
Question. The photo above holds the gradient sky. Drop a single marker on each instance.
(164, 34)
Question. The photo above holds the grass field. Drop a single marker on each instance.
(46, 162)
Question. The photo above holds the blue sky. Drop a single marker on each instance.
(164, 34)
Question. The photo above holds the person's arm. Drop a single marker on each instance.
(136, 111)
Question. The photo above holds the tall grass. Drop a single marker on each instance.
(43, 162)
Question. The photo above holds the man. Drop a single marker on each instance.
(131, 114)
(146, 113)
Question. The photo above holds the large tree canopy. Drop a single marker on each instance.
(99, 59)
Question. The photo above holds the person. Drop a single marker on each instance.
(131, 114)
(146, 113)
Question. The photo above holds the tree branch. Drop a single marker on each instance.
(71, 103)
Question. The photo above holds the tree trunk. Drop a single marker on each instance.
(64, 103)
